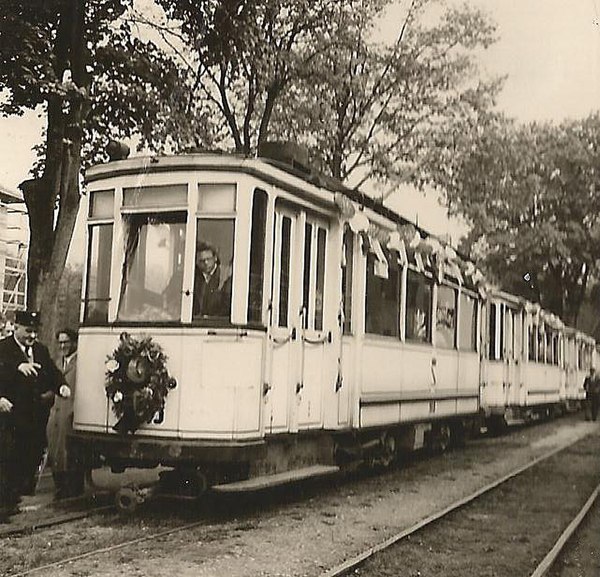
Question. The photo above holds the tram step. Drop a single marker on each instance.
(266, 481)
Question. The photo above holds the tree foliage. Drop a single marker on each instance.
(371, 110)
(531, 195)
(77, 63)
(242, 56)
(315, 72)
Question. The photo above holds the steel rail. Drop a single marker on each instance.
(26, 528)
(108, 549)
(349, 565)
(549, 560)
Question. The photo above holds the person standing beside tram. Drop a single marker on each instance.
(591, 386)
(28, 382)
(68, 478)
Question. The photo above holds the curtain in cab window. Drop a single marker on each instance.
(152, 278)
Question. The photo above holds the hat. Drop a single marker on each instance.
(27, 318)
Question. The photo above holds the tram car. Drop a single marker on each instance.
(246, 322)
(533, 365)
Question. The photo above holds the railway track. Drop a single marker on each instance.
(383, 559)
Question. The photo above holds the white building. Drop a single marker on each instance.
(14, 235)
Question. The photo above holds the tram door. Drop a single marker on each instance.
(315, 340)
(280, 414)
(512, 354)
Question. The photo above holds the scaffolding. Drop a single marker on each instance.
(13, 252)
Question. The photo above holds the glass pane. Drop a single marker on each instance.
(508, 334)
(102, 204)
(152, 283)
(216, 197)
(284, 279)
(347, 273)
(541, 356)
(501, 338)
(418, 307)
(492, 333)
(319, 296)
(468, 323)
(257, 255)
(308, 229)
(383, 297)
(97, 294)
(213, 277)
(155, 196)
(445, 319)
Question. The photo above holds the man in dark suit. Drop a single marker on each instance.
(207, 293)
(29, 380)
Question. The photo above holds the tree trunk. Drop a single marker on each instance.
(58, 188)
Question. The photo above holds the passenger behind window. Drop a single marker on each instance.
(420, 325)
(210, 290)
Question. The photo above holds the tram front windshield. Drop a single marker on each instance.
(152, 280)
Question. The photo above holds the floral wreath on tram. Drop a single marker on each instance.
(137, 382)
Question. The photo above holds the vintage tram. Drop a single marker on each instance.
(247, 322)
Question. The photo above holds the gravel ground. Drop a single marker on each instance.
(298, 531)
(506, 532)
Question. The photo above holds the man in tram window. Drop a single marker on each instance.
(208, 298)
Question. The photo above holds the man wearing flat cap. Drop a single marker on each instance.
(28, 381)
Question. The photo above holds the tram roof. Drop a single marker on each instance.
(262, 167)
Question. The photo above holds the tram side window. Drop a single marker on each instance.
(550, 347)
(445, 319)
(383, 299)
(213, 274)
(468, 323)
(308, 237)
(418, 307)
(284, 274)
(152, 281)
(502, 352)
(347, 274)
(257, 255)
(541, 345)
(532, 334)
(492, 354)
(320, 281)
(313, 279)
(97, 293)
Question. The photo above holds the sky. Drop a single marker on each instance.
(549, 51)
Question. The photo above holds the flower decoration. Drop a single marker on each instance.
(64, 391)
(137, 381)
(409, 234)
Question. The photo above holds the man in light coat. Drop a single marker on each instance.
(68, 477)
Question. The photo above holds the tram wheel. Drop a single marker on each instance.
(389, 448)
(440, 438)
